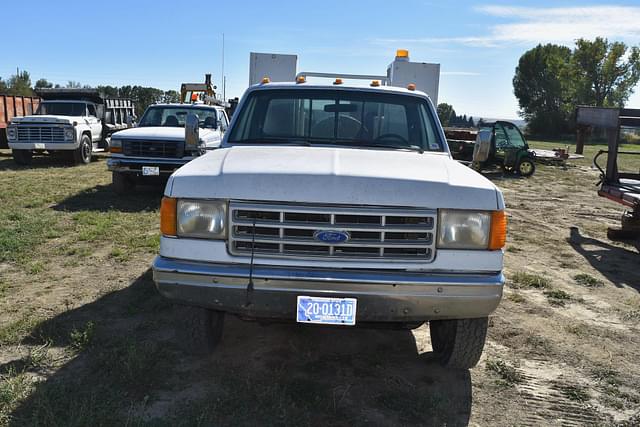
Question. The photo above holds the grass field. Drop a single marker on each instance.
(625, 161)
(85, 339)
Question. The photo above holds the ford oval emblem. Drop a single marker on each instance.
(331, 236)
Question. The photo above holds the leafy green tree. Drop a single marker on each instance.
(71, 84)
(3, 87)
(470, 122)
(20, 84)
(541, 84)
(445, 112)
(604, 74)
(171, 96)
(43, 84)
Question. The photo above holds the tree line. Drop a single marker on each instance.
(551, 81)
(448, 117)
(20, 84)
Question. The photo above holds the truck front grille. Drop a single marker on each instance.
(274, 230)
(40, 134)
(149, 148)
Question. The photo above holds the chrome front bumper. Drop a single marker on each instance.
(382, 296)
(134, 166)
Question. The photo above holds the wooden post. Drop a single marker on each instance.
(580, 137)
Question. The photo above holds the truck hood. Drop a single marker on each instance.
(66, 120)
(327, 175)
(159, 132)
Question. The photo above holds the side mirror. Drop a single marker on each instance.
(191, 132)
(482, 147)
(129, 121)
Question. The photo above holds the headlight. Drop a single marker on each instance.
(12, 133)
(69, 133)
(459, 229)
(202, 218)
(115, 143)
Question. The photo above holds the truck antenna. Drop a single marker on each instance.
(224, 94)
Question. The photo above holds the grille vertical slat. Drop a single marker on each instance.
(374, 233)
(41, 134)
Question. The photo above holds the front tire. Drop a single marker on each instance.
(22, 157)
(458, 344)
(84, 152)
(122, 183)
(526, 167)
(199, 330)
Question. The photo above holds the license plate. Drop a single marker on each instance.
(150, 170)
(39, 146)
(327, 311)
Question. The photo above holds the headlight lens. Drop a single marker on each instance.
(459, 229)
(115, 143)
(205, 219)
(69, 133)
(12, 133)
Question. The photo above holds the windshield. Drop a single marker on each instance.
(507, 135)
(62, 108)
(336, 117)
(175, 116)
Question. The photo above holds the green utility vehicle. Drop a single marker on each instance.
(502, 144)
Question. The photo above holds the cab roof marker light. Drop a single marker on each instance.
(337, 81)
(411, 86)
(375, 83)
(301, 79)
(266, 80)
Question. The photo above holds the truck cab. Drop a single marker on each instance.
(156, 147)
(74, 121)
(337, 205)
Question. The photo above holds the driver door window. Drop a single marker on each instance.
(502, 141)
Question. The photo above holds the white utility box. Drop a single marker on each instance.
(401, 72)
(278, 67)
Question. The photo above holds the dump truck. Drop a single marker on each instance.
(14, 106)
(74, 121)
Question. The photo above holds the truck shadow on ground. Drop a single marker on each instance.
(103, 198)
(617, 264)
(38, 162)
(127, 366)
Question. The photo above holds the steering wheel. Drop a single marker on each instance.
(391, 135)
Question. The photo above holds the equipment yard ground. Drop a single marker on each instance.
(80, 341)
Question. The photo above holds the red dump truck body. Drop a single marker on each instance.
(14, 106)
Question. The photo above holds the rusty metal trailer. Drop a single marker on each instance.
(14, 106)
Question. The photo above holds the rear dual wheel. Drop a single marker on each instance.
(84, 152)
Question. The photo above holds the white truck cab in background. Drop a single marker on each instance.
(76, 121)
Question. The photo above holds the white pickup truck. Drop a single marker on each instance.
(74, 121)
(157, 146)
(337, 205)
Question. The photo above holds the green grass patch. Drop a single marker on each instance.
(80, 339)
(522, 279)
(588, 281)
(575, 392)
(20, 233)
(16, 331)
(508, 374)
(14, 388)
(557, 297)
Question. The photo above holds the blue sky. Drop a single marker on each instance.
(162, 44)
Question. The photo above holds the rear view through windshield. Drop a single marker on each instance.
(351, 118)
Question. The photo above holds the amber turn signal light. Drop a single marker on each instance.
(168, 216)
(115, 149)
(498, 235)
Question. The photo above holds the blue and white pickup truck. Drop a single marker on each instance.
(337, 205)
